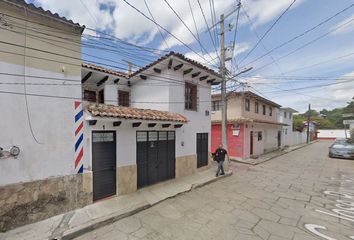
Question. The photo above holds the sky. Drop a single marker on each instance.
(317, 67)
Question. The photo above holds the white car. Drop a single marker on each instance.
(341, 149)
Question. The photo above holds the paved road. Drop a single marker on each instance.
(296, 196)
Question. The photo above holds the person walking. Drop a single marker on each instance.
(219, 157)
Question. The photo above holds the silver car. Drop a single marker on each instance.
(341, 149)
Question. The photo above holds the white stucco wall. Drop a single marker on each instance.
(152, 93)
(51, 118)
(125, 139)
(52, 121)
(170, 97)
(333, 133)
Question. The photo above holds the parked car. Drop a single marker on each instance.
(341, 148)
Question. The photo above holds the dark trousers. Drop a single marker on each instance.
(220, 168)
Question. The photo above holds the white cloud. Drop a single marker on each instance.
(348, 26)
(128, 24)
(262, 11)
(208, 58)
(91, 15)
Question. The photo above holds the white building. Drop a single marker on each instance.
(127, 144)
(37, 113)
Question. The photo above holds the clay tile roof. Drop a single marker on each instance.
(105, 70)
(47, 13)
(103, 110)
(180, 56)
(248, 94)
(246, 120)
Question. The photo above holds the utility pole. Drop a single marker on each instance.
(308, 124)
(223, 88)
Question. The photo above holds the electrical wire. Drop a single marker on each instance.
(208, 29)
(269, 29)
(158, 28)
(183, 43)
(301, 34)
(184, 24)
(305, 45)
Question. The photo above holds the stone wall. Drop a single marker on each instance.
(126, 179)
(25, 203)
(186, 165)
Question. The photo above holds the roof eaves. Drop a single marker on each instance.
(45, 13)
(181, 57)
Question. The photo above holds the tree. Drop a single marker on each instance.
(298, 123)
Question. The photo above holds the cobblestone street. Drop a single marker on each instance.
(301, 195)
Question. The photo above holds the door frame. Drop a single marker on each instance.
(115, 157)
(207, 152)
(251, 143)
(167, 164)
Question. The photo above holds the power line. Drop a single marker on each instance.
(184, 24)
(195, 24)
(184, 44)
(305, 45)
(301, 34)
(208, 29)
(162, 36)
(259, 39)
(269, 29)
(88, 10)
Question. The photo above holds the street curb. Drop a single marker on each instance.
(76, 232)
(199, 185)
(278, 155)
(73, 233)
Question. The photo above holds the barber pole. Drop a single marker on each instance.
(79, 137)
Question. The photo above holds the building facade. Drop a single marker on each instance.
(37, 160)
(142, 146)
(285, 116)
(253, 127)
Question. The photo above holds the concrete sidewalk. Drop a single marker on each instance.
(80, 221)
(268, 156)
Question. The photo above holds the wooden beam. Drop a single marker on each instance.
(92, 122)
(84, 79)
(150, 125)
(116, 81)
(117, 124)
(166, 125)
(136, 124)
(196, 74)
(215, 83)
(102, 81)
(178, 125)
(170, 64)
(129, 84)
(143, 77)
(179, 66)
(211, 80)
(187, 71)
(157, 70)
(203, 78)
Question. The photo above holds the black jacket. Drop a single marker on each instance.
(219, 154)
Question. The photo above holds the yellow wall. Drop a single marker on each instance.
(57, 39)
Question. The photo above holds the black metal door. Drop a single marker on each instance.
(202, 149)
(153, 162)
(155, 156)
(279, 138)
(103, 164)
(142, 153)
(171, 155)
